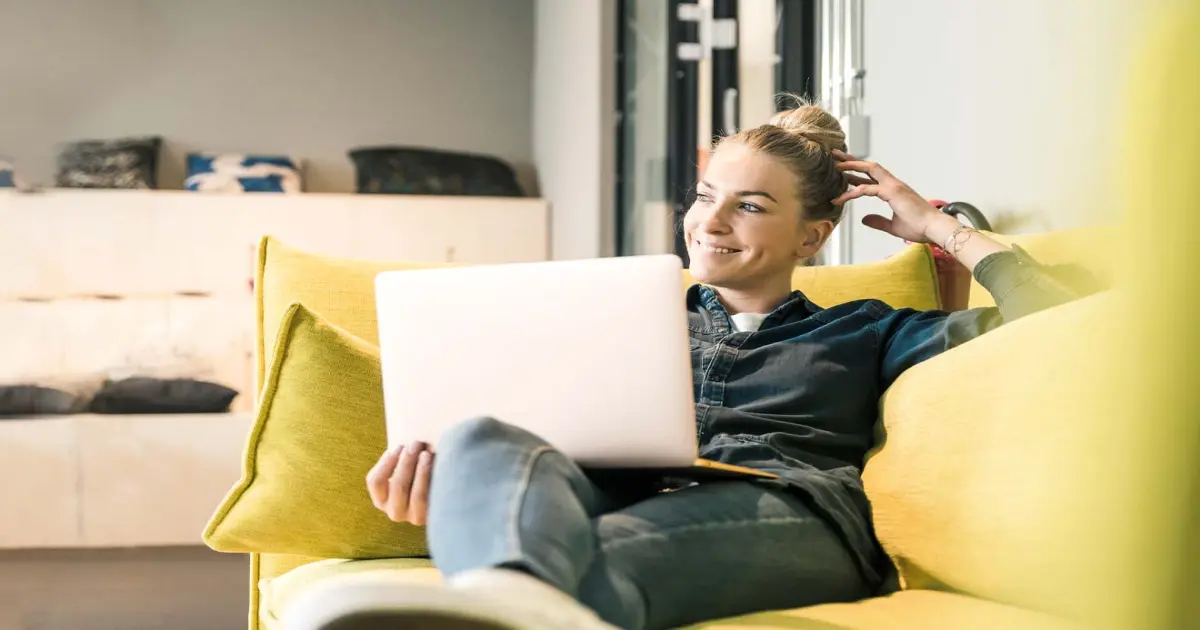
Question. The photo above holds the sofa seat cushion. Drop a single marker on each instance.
(907, 610)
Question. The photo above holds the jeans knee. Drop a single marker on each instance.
(475, 433)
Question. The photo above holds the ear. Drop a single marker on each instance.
(813, 235)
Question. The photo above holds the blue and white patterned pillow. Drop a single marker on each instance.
(235, 172)
(8, 178)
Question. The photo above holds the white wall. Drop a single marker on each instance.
(312, 78)
(1013, 105)
(573, 122)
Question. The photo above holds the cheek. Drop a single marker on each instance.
(768, 236)
(689, 221)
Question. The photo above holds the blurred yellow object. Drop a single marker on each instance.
(1162, 157)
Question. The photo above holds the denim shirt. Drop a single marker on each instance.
(800, 396)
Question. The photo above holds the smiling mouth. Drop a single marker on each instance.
(716, 250)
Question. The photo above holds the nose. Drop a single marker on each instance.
(713, 220)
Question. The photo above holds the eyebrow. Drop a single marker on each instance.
(744, 193)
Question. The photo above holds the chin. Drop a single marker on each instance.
(705, 273)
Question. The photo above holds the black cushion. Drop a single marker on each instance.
(35, 400)
(153, 395)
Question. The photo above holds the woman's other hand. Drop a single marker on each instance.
(399, 483)
(913, 219)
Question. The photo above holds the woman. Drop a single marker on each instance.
(527, 539)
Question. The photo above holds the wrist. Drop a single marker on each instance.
(939, 230)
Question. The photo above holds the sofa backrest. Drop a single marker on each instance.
(342, 290)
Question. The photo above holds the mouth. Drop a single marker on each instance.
(715, 249)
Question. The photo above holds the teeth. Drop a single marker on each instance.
(718, 250)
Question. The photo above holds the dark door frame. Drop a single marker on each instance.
(797, 45)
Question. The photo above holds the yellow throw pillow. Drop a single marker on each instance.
(320, 428)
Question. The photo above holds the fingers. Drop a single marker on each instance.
(847, 162)
(380, 473)
(400, 483)
(418, 502)
(857, 180)
(881, 223)
(862, 190)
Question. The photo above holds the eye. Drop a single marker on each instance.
(746, 206)
(704, 197)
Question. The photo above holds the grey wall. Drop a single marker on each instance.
(310, 78)
(574, 118)
(1014, 105)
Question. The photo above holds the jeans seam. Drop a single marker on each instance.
(514, 517)
(697, 527)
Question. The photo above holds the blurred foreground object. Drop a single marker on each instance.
(1162, 159)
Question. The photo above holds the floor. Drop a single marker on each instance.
(177, 588)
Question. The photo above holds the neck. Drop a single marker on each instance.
(757, 300)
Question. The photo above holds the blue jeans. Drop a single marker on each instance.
(502, 497)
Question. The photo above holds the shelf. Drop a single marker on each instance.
(119, 243)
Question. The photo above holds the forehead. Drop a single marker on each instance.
(734, 167)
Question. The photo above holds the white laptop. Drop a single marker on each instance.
(591, 355)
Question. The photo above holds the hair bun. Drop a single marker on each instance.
(813, 124)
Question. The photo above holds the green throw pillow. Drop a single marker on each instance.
(320, 428)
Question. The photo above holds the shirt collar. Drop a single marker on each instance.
(722, 324)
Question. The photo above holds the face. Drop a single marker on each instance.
(745, 230)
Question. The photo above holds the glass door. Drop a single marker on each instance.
(689, 72)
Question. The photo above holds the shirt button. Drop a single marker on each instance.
(716, 378)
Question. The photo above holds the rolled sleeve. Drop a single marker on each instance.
(1019, 284)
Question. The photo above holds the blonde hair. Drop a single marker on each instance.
(803, 139)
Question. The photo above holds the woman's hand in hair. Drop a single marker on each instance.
(399, 483)
(913, 218)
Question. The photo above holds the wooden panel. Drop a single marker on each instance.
(39, 476)
(31, 340)
(78, 342)
(156, 479)
(70, 242)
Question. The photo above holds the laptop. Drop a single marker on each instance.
(590, 355)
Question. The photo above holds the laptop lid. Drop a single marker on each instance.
(591, 355)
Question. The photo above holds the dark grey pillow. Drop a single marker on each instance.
(35, 400)
(154, 395)
(121, 163)
(418, 171)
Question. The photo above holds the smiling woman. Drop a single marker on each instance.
(780, 385)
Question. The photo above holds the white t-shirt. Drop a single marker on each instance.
(747, 322)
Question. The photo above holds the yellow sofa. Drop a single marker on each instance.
(966, 482)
